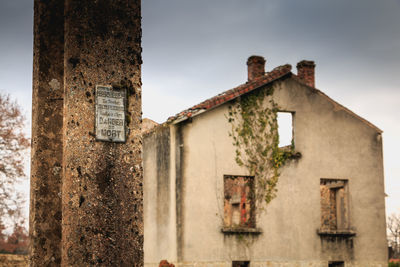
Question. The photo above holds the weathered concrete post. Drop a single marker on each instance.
(102, 186)
(47, 112)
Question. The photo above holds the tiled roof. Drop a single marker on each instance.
(226, 96)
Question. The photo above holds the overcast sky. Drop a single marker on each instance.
(195, 49)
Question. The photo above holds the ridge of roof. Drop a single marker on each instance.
(228, 95)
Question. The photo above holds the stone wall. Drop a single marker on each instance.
(7, 260)
(276, 264)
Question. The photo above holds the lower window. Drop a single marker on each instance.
(336, 264)
(239, 202)
(334, 205)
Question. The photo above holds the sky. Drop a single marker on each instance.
(193, 50)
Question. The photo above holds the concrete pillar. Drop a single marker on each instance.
(102, 187)
(47, 112)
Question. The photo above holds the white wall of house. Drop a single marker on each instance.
(333, 142)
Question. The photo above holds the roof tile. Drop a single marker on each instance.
(232, 93)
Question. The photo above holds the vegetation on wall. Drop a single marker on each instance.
(253, 118)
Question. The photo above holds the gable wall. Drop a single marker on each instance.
(333, 144)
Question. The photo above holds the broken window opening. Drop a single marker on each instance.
(285, 128)
(334, 205)
(239, 206)
(240, 264)
(336, 264)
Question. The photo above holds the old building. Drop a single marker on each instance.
(200, 207)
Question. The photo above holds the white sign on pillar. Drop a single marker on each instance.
(110, 114)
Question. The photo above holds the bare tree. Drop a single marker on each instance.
(13, 150)
(393, 225)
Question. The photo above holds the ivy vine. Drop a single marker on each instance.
(253, 118)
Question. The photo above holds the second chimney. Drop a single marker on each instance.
(255, 67)
(305, 72)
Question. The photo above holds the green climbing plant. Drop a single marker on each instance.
(253, 118)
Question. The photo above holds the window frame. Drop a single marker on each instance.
(240, 228)
(292, 113)
(342, 220)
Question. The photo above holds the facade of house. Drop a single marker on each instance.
(329, 208)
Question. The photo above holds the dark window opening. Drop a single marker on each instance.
(240, 264)
(238, 201)
(336, 264)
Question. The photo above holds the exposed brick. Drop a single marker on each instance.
(165, 263)
(255, 67)
(305, 72)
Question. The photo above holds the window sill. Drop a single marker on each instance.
(241, 230)
(341, 233)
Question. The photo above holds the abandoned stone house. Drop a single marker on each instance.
(329, 206)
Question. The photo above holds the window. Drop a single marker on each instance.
(334, 205)
(285, 128)
(336, 264)
(240, 264)
(238, 202)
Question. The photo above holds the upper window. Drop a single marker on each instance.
(239, 202)
(285, 128)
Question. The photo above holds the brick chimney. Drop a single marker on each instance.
(305, 71)
(255, 67)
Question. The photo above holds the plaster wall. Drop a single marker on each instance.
(333, 143)
(159, 196)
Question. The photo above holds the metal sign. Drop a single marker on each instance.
(110, 114)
